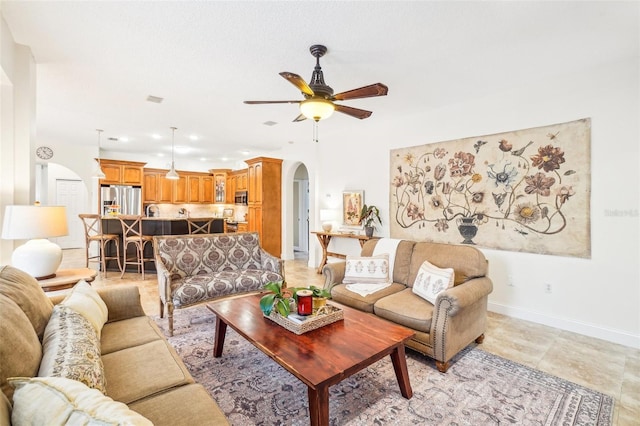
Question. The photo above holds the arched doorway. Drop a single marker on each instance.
(300, 198)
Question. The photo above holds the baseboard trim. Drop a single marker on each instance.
(599, 332)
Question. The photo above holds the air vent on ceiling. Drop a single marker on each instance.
(113, 139)
(155, 99)
(269, 123)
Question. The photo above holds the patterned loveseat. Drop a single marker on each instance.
(197, 268)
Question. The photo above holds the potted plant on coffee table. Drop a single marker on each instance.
(320, 296)
(279, 298)
(369, 215)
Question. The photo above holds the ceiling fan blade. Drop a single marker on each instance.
(354, 112)
(297, 81)
(301, 117)
(377, 89)
(271, 102)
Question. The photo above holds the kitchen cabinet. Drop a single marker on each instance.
(231, 189)
(264, 190)
(243, 227)
(122, 172)
(180, 194)
(220, 185)
(191, 187)
(241, 180)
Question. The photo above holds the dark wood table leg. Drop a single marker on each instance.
(319, 406)
(402, 374)
(221, 331)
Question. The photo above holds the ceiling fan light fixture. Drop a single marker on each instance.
(317, 108)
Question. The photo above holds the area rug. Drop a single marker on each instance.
(479, 388)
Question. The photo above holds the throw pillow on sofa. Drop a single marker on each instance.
(367, 269)
(432, 280)
(71, 349)
(56, 400)
(85, 300)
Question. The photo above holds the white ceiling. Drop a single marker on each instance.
(98, 62)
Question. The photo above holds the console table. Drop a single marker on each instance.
(325, 238)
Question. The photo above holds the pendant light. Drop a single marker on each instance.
(99, 173)
(172, 174)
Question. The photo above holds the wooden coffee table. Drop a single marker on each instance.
(319, 358)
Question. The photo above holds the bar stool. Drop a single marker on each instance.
(132, 234)
(199, 226)
(93, 233)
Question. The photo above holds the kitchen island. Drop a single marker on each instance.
(152, 226)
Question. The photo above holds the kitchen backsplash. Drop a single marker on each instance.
(202, 210)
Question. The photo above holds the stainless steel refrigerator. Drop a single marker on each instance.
(127, 197)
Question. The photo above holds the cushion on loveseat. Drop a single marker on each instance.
(71, 349)
(202, 287)
(63, 401)
(467, 262)
(23, 289)
(140, 371)
(20, 349)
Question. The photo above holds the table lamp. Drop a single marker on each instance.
(326, 217)
(38, 257)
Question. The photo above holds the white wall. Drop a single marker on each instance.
(600, 296)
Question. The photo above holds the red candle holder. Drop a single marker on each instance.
(305, 302)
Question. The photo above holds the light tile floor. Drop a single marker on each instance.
(604, 366)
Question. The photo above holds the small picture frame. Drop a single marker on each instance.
(352, 202)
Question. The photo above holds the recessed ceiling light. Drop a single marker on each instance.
(155, 99)
(245, 152)
(203, 159)
(124, 139)
(224, 159)
(194, 137)
(269, 123)
(156, 136)
(160, 154)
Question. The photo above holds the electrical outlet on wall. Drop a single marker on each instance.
(548, 288)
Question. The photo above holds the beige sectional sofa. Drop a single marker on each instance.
(195, 268)
(459, 315)
(136, 364)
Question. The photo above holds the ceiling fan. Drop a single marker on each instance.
(318, 102)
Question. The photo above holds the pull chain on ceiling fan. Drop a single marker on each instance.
(318, 102)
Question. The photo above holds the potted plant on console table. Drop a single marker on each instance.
(368, 215)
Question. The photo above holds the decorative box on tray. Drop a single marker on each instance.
(301, 324)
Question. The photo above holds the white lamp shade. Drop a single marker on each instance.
(38, 257)
(316, 108)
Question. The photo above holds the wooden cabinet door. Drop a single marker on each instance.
(112, 173)
(254, 222)
(150, 188)
(165, 195)
(180, 190)
(241, 181)
(193, 183)
(231, 189)
(220, 195)
(131, 175)
(206, 195)
(254, 191)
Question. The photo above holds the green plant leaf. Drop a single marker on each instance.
(283, 307)
(274, 286)
(266, 303)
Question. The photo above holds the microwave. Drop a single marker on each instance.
(241, 198)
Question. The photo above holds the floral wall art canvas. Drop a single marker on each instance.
(525, 190)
